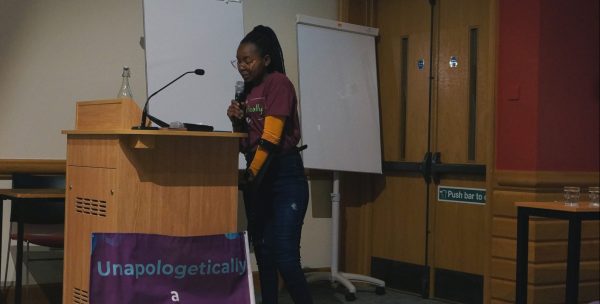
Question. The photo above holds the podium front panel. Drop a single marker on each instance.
(170, 185)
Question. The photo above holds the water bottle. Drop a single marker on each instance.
(125, 91)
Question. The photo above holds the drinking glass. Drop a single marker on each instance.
(593, 193)
(571, 195)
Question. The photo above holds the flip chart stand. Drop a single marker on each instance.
(335, 275)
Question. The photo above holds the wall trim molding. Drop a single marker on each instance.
(544, 179)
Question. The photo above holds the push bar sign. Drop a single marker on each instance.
(461, 195)
(149, 268)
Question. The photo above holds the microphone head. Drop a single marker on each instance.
(199, 71)
(239, 87)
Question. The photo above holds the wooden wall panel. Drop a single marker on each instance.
(541, 229)
(548, 273)
(504, 200)
(544, 180)
(547, 238)
(544, 252)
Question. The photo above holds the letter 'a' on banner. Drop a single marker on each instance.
(149, 268)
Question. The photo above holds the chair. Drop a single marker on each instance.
(43, 219)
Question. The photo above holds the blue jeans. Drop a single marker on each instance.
(275, 214)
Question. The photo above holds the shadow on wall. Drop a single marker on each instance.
(11, 25)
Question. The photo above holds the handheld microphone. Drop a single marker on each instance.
(145, 114)
(239, 89)
(238, 123)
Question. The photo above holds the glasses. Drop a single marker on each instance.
(594, 193)
(571, 195)
(246, 62)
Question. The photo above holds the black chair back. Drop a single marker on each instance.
(47, 211)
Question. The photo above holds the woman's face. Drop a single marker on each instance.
(251, 65)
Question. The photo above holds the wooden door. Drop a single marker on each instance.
(461, 138)
(400, 209)
(437, 133)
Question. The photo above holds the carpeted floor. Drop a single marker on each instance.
(324, 293)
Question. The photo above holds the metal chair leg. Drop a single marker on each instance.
(7, 257)
(27, 265)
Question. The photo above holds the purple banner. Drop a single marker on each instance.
(148, 269)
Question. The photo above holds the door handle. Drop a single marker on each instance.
(426, 167)
(432, 168)
(436, 160)
(438, 168)
(423, 167)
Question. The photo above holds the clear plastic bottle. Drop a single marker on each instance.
(125, 91)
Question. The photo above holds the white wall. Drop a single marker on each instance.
(54, 53)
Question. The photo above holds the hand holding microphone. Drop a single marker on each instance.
(236, 109)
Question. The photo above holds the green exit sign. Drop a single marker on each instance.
(461, 195)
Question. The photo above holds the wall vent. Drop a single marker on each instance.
(80, 296)
(90, 206)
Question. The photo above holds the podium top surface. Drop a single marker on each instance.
(166, 132)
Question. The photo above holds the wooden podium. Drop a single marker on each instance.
(161, 182)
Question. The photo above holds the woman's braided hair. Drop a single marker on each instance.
(267, 43)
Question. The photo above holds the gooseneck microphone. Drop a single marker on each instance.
(145, 114)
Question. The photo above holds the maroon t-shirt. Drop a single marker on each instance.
(275, 96)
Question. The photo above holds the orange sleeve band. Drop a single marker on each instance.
(271, 133)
